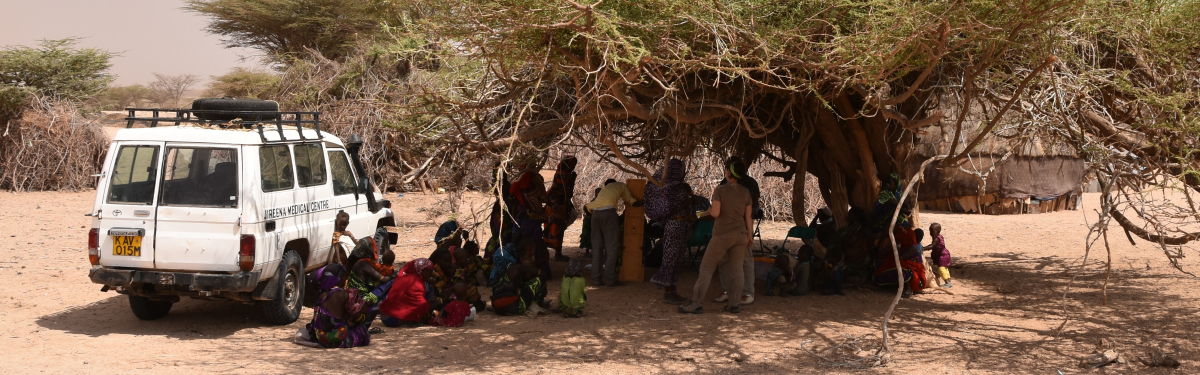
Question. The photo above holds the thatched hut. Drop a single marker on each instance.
(1005, 174)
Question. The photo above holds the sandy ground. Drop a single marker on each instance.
(1003, 317)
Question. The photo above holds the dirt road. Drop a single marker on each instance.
(1003, 317)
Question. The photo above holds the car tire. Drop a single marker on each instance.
(225, 109)
(289, 298)
(149, 309)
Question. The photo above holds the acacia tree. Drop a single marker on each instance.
(168, 90)
(54, 69)
(841, 88)
(242, 83)
(284, 29)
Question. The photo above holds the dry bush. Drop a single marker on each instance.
(52, 146)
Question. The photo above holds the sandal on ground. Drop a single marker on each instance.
(698, 310)
(375, 330)
(674, 299)
(732, 309)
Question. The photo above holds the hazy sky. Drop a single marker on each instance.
(152, 36)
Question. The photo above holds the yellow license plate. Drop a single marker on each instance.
(127, 246)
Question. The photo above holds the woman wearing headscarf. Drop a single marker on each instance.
(530, 192)
(341, 317)
(406, 303)
(558, 205)
(370, 273)
(912, 265)
(530, 212)
(670, 204)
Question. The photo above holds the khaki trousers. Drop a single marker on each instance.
(727, 251)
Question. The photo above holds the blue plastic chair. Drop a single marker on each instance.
(803, 233)
(701, 234)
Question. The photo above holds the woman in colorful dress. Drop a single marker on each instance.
(558, 206)
(671, 205)
(341, 318)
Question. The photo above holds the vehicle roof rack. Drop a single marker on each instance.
(279, 119)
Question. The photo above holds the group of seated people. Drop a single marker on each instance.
(444, 289)
(861, 252)
(441, 290)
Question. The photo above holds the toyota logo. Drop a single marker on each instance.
(116, 212)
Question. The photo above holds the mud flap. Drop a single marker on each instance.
(268, 290)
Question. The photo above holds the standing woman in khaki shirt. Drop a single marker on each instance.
(731, 207)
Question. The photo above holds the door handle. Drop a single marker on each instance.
(271, 226)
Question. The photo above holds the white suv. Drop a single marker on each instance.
(215, 207)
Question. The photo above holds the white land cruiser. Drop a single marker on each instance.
(235, 200)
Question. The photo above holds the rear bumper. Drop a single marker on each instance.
(238, 282)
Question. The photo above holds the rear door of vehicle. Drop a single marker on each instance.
(198, 215)
(127, 210)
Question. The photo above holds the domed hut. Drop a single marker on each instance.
(1007, 173)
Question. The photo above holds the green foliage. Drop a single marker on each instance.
(116, 98)
(57, 69)
(243, 83)
(13, 100)
(283, 29)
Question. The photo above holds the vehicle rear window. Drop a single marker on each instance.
(276, 165)
(310, 165)
(133, 175)
(343, 176)
(204, 177)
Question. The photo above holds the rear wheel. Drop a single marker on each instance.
(285, 308)
(149, 309)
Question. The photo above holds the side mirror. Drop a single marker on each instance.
(363, 184)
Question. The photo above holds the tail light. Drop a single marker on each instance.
(246, 253)
(94, 246)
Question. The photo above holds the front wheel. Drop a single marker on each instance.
(285, 308)
(149, 309)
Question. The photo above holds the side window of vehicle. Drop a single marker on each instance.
(310, 165)
(343, 176)
(134, 175)
(200, 177)
(276, 165)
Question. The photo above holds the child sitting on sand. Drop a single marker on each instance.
(781, 279)
(468, 274)
(517, 289)
(939, 255)
(572, 299)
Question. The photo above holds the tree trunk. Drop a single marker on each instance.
(838, 200)
(799, 204)
(837, 149)
(868, 174)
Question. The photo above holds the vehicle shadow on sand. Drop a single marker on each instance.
(189, 319)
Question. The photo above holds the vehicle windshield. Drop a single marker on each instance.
(201, 177)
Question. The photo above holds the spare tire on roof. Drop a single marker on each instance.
(225, 109)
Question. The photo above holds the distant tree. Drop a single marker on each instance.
(55, 68)
(242, 83)
(168, 90)
(119, 97)
(284, 28)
